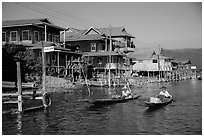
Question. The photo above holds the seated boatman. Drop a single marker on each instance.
(164, 94)
(126, 93)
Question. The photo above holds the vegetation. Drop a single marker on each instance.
(30, 64)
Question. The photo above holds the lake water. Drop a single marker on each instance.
(67, 115)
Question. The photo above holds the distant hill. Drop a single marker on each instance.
(194, 55)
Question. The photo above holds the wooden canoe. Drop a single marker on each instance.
(152, 105)
(109, 101)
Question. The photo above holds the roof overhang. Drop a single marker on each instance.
(105, 53)
(35, 24)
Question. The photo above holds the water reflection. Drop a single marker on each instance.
(19, 123)
(44, 120)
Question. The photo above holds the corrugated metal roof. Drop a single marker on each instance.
(24, 22)
(38, 45)
(146, 53)
(114, 31)
(83, 37)
(106, 53)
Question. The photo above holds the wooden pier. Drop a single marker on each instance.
(25, 101)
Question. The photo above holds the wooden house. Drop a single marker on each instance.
(181, 69)
(31, 32)
(150, 62)
(101, 46)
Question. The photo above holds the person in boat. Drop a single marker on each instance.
(164, 94)
(126, 93)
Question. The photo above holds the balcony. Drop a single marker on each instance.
(112, 66)
(128, 49)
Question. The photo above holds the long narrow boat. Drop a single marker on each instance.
(154, 105)
(109, 101)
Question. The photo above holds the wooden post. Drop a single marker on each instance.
(110, 49)
(43, 62)
(58, 62)
(109, 72)
(64, 37)
(159, 66)
(72, 71)
(43, 69)
(20, 101)
(45, 33)
(66, 64)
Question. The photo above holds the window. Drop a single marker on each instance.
(25, 35)
(13, 35)
(36, 36)
(154, 61)
(93, 46)
(3, 36)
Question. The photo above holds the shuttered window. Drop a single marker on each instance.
(93, 46)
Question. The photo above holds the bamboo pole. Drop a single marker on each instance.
(20, 101)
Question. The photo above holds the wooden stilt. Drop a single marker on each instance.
(20, 101)
(66, 64)
(58, 63)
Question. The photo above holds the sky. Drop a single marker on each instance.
(172, 25)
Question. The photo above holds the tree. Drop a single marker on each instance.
(30, 64)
